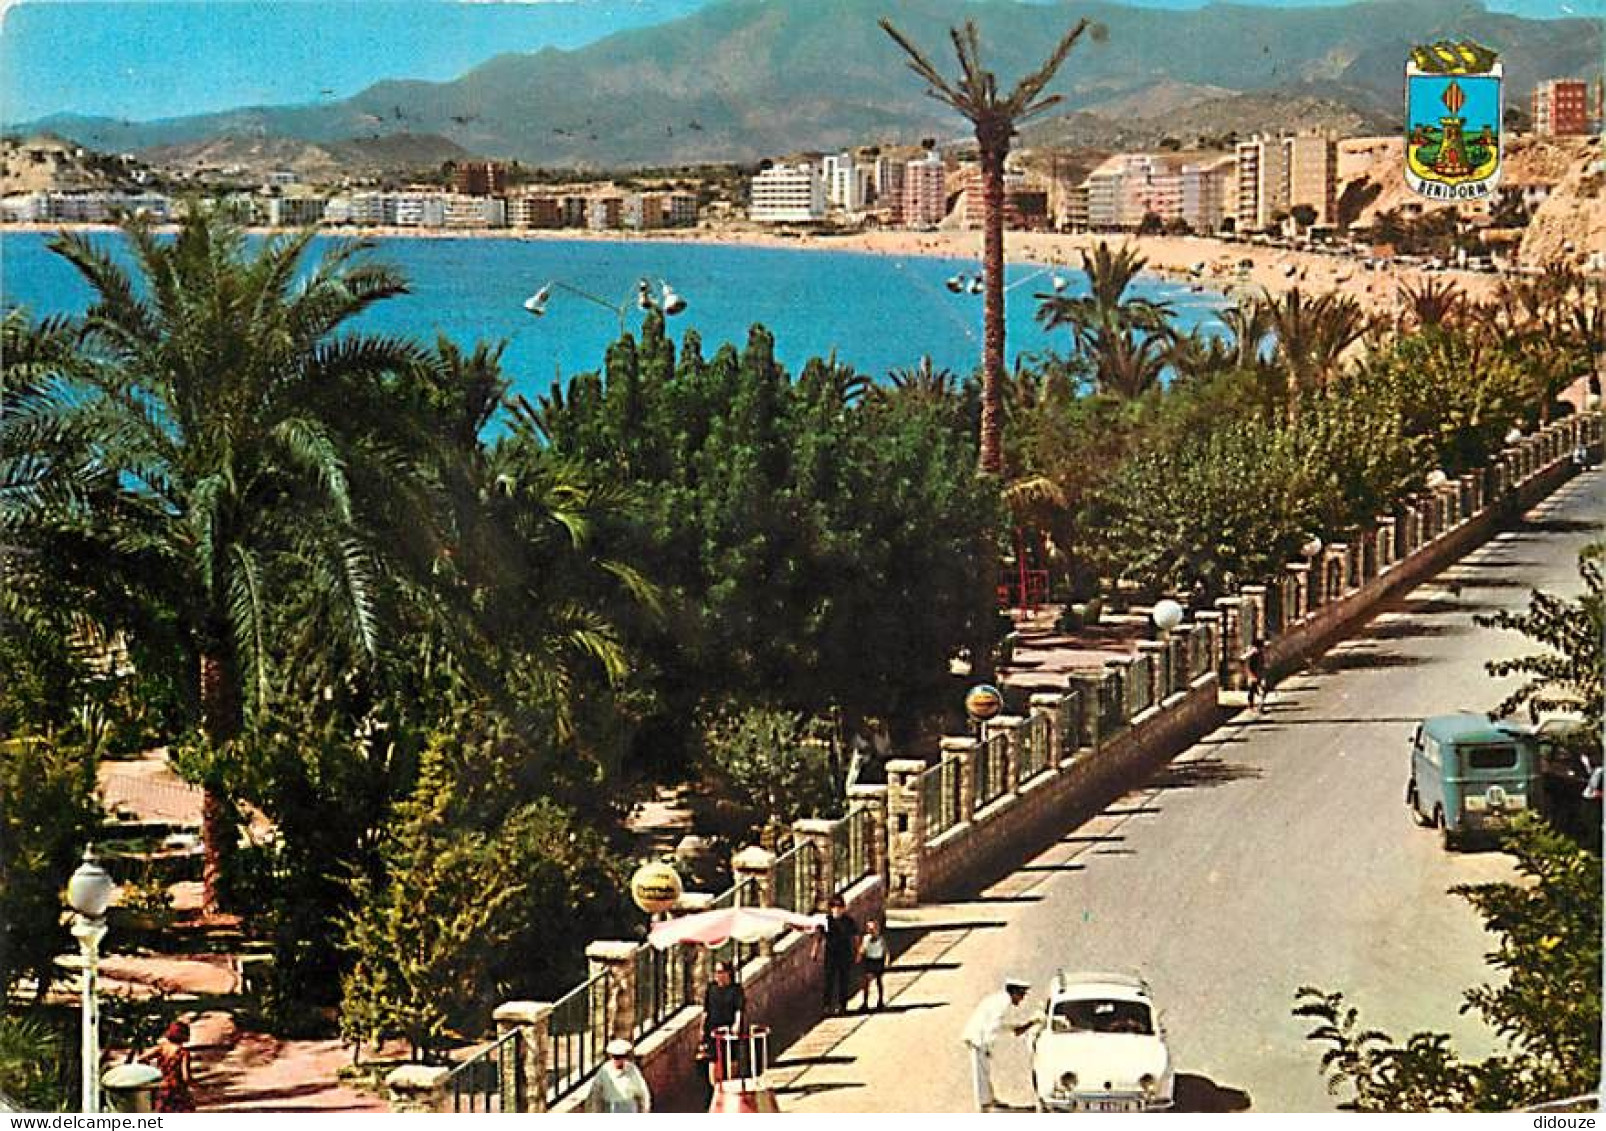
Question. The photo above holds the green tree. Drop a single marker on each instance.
(47, 815)
(1566, 675)
(769, 762)
(1546, 1008)
(229, 419)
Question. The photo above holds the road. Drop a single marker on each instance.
(1274, 853)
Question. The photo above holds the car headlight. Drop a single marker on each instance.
(1068, 1081)
(1147, 1083)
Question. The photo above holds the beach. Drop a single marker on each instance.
(1173, 257)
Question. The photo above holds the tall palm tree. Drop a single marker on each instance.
(1111, 329)
(204, 450)
(974, 93)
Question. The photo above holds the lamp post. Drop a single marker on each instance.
(1167, 614)
(89, 893)
(667, 300)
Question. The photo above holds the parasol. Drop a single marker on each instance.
(714, 928)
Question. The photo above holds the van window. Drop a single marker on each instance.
(1491, 757)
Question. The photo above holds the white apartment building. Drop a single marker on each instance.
(925, 191)
(463, 211)
(788, 194)
(1262, 182)
(420, 210)
(848, 184)
(84, 207)
(298, 211)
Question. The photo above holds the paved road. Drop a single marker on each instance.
(1275, 852)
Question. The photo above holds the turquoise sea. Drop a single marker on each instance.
(876, 312)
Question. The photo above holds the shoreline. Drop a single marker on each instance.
(1205, 262)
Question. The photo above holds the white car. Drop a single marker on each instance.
(1100, 1048)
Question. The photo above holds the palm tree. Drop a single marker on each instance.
(1433, 303)
(975, 95)
(1312, 336)
(207, 451)
(1113, 331)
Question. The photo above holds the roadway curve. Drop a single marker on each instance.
(1275, 852)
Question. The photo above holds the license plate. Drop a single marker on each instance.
(1111, 1105)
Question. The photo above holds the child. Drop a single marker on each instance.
(873, 963)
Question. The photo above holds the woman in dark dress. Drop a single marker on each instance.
(172, 1060)
(724, 1004)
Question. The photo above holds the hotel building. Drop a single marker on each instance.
(788, 194)
(925, 191)
(1560, 107)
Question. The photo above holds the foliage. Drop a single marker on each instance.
(47, 815)
(1566, 676)
(1546, 1008)
(33, 1060)
(1121, 337)
(771, 762)
(788, 522)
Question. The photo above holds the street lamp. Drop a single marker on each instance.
(964, 283)
(1167, 614)
(668, 300)
(89, 893)
(1311, 547)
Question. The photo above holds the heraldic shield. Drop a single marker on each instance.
(1452, 121)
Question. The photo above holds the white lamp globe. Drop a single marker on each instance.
(1167, 615)
(89, 891)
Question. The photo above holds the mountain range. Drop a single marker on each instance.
(744, 79)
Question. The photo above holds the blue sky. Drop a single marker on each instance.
(142, 59)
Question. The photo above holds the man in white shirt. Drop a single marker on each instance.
(619, 1087)
(993, 1013)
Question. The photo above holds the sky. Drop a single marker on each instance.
(144, 59)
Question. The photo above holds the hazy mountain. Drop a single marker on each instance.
(743, 79)
(259, 153)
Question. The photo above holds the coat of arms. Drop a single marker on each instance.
(1452, 124)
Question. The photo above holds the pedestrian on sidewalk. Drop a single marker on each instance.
(997, 1010)
(840, 937)
(171, 1056)
(872, 964)
(619, 1087)
(1255, 674)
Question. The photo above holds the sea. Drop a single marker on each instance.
(875, 312)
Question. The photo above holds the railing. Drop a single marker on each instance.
(1201, 651)
(1069, 722)
(492, 1079)
(794, 876)
(858, 858)
(579, 1029)
(1138, 698)
(992, 768)
(665, 984)
(939, 797)
(1177, 654)
(1112, 704)
(1034, 740)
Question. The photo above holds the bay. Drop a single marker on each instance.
(875, 312)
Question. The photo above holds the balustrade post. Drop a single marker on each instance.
(1087, 685)
(1159, 653)
(1252, 612)
(1232, 642)
(962, 749)
(1046, 706)
(1010, 727)
(906, 831)
(816, 831)
(1300, 602)
(617, 1017)
(873, 799)
(534, 1020)
(418, 1088)
(1387, 532)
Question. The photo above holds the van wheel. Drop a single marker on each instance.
(1414, 803)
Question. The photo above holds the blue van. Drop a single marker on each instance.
(1470, 776)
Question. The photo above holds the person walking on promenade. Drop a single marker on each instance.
(997, 1010)
(1255, 674)
(840, 935)
(872, 964)
(171, 1056)
(619, 1087)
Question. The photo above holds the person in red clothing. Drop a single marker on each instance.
(172, 1059)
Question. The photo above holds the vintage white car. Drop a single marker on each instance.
(1100, 1048)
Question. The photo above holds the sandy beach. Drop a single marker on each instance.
(1212, 264)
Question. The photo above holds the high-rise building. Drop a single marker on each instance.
(787, 194)
(605, 213)
(1209, 193)
(480, 178)
(847, 183)
(1561, 106)
(682, 210)
(534, 212)
(925, 191)
(1312, 164)
(1262, 182)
